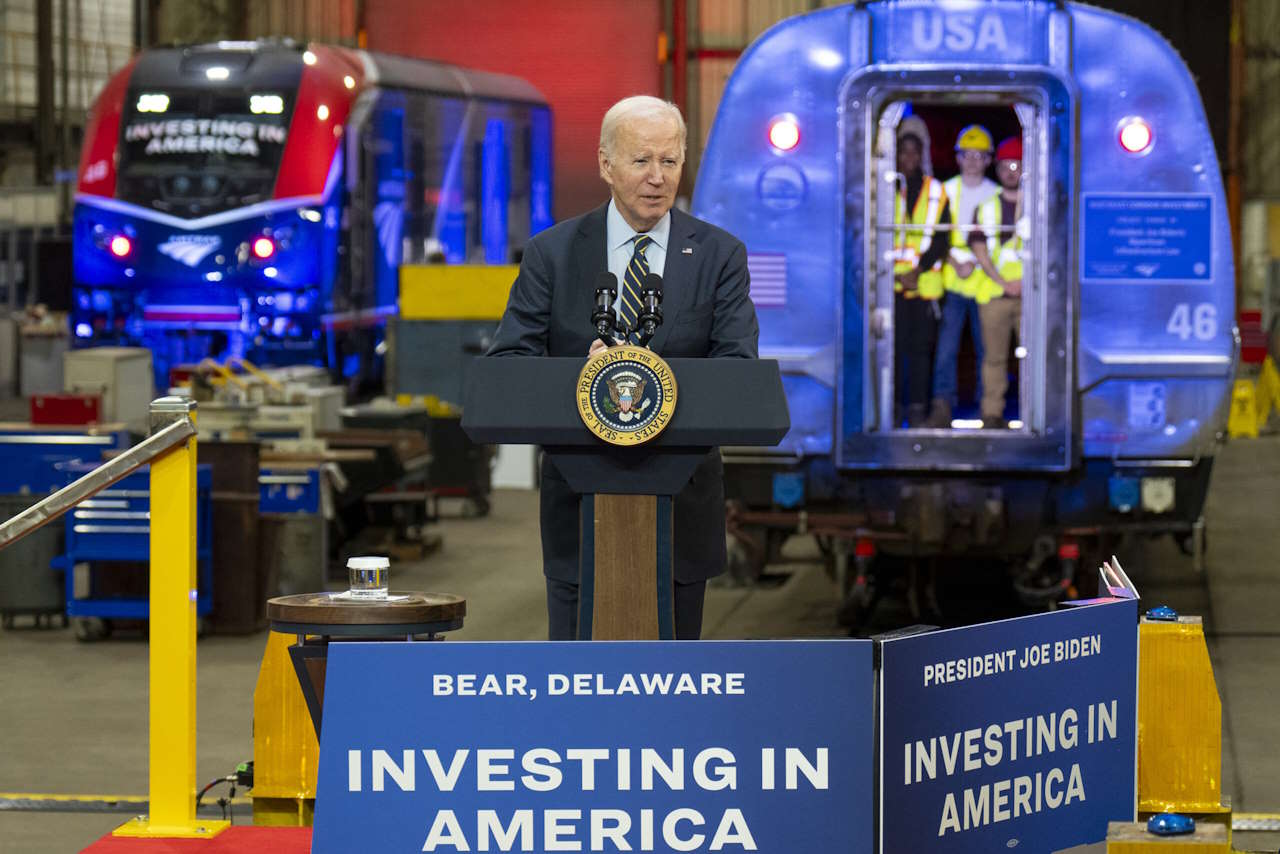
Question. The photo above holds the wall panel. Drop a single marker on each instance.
(581, 54)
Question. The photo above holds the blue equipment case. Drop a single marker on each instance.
(115, 525)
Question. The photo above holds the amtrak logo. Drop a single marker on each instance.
(626, 395)
(190, 249)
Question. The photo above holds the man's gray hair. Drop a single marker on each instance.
(639, 106)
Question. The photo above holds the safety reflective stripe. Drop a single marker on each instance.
(908, 247)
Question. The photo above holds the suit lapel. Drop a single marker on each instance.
(678, 275)
(588, 257)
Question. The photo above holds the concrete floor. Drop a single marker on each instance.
(75, 715)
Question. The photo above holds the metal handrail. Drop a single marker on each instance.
(110, 472)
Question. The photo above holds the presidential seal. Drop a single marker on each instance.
(626, 395)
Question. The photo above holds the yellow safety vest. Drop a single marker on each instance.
(909, 245)
(1008, 252)
(977, 280)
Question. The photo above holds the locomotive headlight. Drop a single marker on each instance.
(784, 132)
(120, 246)
(1135, 135)
(263, 248)
(273, 104)
(152, 102)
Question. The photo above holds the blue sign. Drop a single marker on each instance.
(998, 32)
(1015, 735)
(661, 746)
(1148, 237)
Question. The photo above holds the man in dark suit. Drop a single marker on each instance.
(707, 312)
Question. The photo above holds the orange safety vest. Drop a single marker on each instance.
(909, 245)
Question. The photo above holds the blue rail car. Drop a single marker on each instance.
(1120, 381)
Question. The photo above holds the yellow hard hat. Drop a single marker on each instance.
(974, 138)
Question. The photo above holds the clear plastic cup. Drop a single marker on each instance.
(368, 577)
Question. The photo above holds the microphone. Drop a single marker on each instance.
(604, 318)
(650, 317)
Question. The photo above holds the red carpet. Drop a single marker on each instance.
(234, 840)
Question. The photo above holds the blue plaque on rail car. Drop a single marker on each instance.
(658, 746)
(1017, 735)
(1148, 237)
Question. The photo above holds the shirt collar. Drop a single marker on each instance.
(618, 232)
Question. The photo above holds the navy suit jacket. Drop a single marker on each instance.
(707, 312)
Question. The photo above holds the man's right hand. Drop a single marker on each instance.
(596, 346)
(909, 280)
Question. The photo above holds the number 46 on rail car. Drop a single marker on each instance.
(1120, 357)
(258, 198)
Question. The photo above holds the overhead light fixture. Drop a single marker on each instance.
(217, 72)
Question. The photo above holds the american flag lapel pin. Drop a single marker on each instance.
(688, 250)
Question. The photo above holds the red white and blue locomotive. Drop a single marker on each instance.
(257, 199)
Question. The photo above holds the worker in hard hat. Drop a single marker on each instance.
(1000, 247)
(961, 276)
(919, 208)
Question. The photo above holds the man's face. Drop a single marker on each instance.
(908, 156)
(643, 169)
(973, 164)
(1009, 173)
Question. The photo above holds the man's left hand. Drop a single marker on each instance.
(1013, 287)
(596, 346)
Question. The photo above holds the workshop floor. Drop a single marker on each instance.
(73, 716)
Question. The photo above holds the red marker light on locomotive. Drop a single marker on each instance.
(784, 133)
(120, 246)
(1135, 135)
(264, 248)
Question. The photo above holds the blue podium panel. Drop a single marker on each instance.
(654, 746)
(1016, 735)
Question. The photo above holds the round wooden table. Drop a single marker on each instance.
(316, 618)
(401, 614)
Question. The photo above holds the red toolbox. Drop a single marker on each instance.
(66, 408)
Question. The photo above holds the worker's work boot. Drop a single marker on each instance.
(939, 414)
(915, 415)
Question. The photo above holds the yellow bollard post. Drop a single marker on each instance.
(173, 640)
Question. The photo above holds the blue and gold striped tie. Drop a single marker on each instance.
(633, 280)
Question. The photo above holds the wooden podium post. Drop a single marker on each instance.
(625, 585)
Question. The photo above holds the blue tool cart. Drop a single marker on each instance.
(114, 526)
(30, 456)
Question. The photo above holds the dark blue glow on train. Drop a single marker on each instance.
(1127, 365)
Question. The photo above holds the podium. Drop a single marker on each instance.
(625, 522)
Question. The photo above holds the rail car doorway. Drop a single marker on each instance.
(926, 273)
